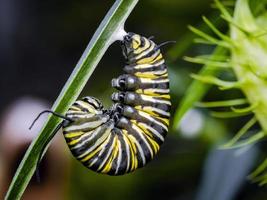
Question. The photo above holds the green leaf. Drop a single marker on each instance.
(223, 103)
(197, 89)
(104, 36)
(203, 60)
(240, 133)
(210, 79)
(251, 140)
(185, 42)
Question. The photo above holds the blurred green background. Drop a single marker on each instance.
(40, 43)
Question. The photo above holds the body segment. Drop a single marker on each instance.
(125, 137)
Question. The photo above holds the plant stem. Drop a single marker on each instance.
(102, 39)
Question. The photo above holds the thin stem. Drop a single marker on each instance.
(225, 103)
(228, 114)
(104, 36)
(251, 140)
(241, 132)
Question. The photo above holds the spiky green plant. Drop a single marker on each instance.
(243, 50)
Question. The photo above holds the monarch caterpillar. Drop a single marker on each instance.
(126, 136)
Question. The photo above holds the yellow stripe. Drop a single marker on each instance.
(147, 109)
(156, 120)
(137, 125)
(127, 142)
(75, 108)
(160, 119)
(90, 155)
(150, 91)
(157, 59)
(140, 131)
(150, 59)
(154, 144)
(167, 121)
(133, 140)
(113, 155)
(73, 134)
(127, 137)
(73, 142)
(136, 41)
(165, 96)
(133, 151)
(148, 75)
(147, 132)
(141, 49)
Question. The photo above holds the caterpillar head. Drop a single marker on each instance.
(134, 44)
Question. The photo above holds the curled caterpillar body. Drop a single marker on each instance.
(125, 137)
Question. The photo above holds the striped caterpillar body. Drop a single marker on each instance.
(125, 137)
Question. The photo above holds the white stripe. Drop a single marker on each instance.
(159, 63)
(158, 90)
(145, 115)
(155, 132)
(151, 99)
(84, 104)
(88, 107)
(146, 51)
(138, 130)
(146, 66)
(93, 101)
(100, 153)
(94, 134)
(160, 72)
(86, 125)
(147, 80)
(127, 152)
(139, 148)
(143, 66)
(75, 112)
(119, 157)
(80, 115)
(108, 154)
(105, 136)
(159, 111)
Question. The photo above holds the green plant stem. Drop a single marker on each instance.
(103, 37)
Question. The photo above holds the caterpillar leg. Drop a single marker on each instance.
(129, 98)
(125, 82)
(140, 101)
(154, 126)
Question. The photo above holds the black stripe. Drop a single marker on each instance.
(131, 113)
(123, 164)
(124, 123)
(153, 53)
(131, 70)
(131, 59)
(100, 158)
(87, 145)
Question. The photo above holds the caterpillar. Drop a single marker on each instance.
(128, 135)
